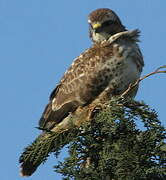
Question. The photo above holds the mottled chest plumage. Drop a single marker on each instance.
(113, 64)
(115, 69)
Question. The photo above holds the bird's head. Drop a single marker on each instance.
(104, 23)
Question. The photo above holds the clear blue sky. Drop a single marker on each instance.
(38, 41)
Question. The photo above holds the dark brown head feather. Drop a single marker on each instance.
(99, 14)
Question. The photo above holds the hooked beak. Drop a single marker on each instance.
(97, 27)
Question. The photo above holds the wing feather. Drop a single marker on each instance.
(86, 78)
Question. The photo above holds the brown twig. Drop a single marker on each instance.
(131, 86)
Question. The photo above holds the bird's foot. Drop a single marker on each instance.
(95, 109)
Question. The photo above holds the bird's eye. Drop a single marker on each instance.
(107, 23)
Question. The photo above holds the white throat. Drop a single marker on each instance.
(99, 37)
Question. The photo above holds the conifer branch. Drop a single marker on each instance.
(116, 147)
(104, 129)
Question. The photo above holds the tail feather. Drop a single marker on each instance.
(27, 169)
(34, 155)
(39, 150)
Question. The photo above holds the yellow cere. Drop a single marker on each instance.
(97, 25)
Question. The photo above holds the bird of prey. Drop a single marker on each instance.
(106, 69)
